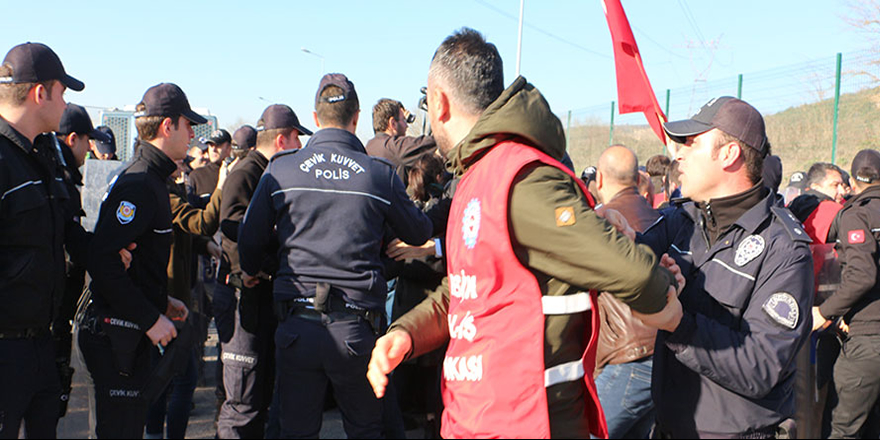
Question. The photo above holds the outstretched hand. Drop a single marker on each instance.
(387, 355)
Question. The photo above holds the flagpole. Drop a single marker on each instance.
(519, 38)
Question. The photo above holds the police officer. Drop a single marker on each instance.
(727, 369)
(32, 234)
(857, 301)
(331, 202)
(131, 309)
(245, 322)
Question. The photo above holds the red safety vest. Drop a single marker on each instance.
(819, 222)
(494, 379)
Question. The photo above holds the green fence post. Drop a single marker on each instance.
(836, 108)
(739, 87)
(568, 132)
(611, 134)
(667, 116)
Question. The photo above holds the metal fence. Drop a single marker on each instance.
(806, 122)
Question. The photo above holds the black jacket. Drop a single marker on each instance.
(136, 209)
(32, 224)
(237, 192)
(202, 183)
(858, 298)
(329, 203)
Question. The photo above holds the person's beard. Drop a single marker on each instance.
(443, 142)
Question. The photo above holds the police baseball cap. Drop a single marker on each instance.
(728, 114)
(280, 116)
(244, 138)
(866, 166)
(202, 143)
(219, 137)
(108, 147)
(798, 180)
(168, 100)
(36, 62)
(76, 120)
(589, 174)
(338, 80)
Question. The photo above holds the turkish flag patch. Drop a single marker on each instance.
(856, 237)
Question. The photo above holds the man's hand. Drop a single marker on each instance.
(400, 251)
(177, 310)
(670, 264)
(215, 250)
(162, 332)
(387, 355)
(843, 327)
(619, 222)
(125, 255)
(252, 280)
(667, 319)
(819, 321)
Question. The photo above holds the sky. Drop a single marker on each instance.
(235, 58)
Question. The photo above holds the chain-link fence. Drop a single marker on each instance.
(797, 101)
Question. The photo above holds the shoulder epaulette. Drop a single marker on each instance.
(792, 225)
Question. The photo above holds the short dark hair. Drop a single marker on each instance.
(266, 138)
(16, 94)
(148, 126)
(384, 109)
(339, 113)
(753, 158)
(657, 165)
(428, 169)
(819, 171)
(471, 67)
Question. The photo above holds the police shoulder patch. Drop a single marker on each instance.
(783, 308)
(125, 212)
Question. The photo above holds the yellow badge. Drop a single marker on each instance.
(565, 216)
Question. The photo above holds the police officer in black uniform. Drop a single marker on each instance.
(329, 203)
(727, 369)
(131, 310)
(243, 314)
(33, 219)
(857, 302)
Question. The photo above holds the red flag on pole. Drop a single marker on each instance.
(634, 92)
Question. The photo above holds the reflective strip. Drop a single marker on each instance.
(742, 274)
(333, 191)
(656, 222)
(875, 230)
(566, 304)
(680, 251)
(163, 231)
(564, 373)
(32, 182)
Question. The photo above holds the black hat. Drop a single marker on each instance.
(280, 116)
(730, 115)
(76, 120)
(798, 180)
(589, 174)
(338, 80)
(202, 143)
(36, 62)
(244, 138)
(168, 100)
(866, 166)
(219, 137)
(109, 146)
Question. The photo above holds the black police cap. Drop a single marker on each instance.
(36, 62)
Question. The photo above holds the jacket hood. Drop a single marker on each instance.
(520, 112)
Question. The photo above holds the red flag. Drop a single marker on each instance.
(634, 92)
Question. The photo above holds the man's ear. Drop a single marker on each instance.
(165, 128)
(600, 179)
(38, 94)
(317, 122)
(730, 153)
(440, 105)
(70, 139)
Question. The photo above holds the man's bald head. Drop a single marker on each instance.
(620, 166)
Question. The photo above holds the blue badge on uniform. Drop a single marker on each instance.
(749, 249)
(470, 223)
(783, 308)
(125, 212)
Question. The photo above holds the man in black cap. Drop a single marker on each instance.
(243, 140)
(749, 285)
(33, 220)
(390, 121)
(857, 303)
(103, 149)
(332, 202)
(131, 309)
(203, 181)
(243, 314)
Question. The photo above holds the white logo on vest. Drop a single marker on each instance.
(470, 223)
(749, 249)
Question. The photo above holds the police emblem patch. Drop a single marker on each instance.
(749, 249)
(470, 223)
(783, 309)
(125, 212)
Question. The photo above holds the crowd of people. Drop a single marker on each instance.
(465, 281)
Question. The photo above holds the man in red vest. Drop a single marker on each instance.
(817, 207)
(523, 247)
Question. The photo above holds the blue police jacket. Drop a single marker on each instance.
(329, 203)
(729, 367)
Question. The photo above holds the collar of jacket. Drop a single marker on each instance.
(157, 161)
(723, 212)
(258, 158)
(337, 137)
(821, 196)
(14, 136)
(70, 162)
(754, 210)
(871, 192)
